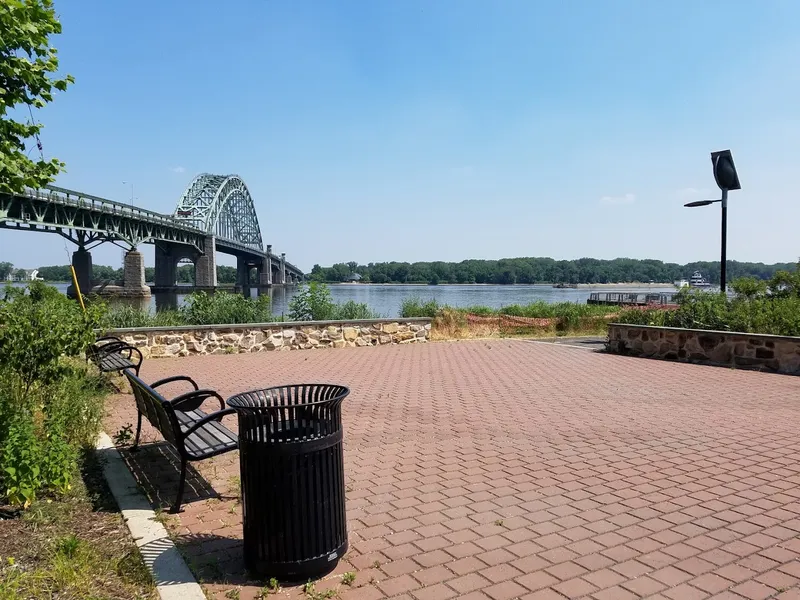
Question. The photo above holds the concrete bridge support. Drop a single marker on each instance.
(167, 257)
(283, 269)
(242, 272)
(265, 269)
(133, 275)
(205, 267)
(82, 263)
(265, 272)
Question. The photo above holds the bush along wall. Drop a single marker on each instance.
(767, 307)
(50, 405)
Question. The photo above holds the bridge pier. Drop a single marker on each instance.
(205, 267)
(265, 272)
(283, 269)
(265, 269)
(82, 263)
(167, 257)
(134, 284)
(242, 272)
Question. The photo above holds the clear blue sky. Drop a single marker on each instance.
(420, 130)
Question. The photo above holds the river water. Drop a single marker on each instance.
(387, 299)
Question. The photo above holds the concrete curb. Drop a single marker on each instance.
(172, 577)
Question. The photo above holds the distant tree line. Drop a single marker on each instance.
(539, 270)
(185, 273)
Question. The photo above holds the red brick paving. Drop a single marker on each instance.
(513, 469)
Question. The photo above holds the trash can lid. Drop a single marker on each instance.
(282, 396)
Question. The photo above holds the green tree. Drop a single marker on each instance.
(6, 268)
(27, 65)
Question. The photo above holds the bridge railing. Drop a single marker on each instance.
(81, 200)
(73, 198)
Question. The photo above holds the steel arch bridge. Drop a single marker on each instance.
(215, 213)
(221, 206)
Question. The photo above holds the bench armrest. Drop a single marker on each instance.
(96, 353)
(131, 350)
(166, 380)
(194, 399)
(215, 416)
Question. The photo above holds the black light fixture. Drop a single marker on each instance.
(727, 179)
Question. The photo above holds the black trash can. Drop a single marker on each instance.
(292, 477)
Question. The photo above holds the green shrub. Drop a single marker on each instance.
(312, 302)
(644, 316)
(225, 308)
(755, 309)
(415, 307)
(49, 405)
(351, 311)
(38, 325)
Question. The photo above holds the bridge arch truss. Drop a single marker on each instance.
(221, 205)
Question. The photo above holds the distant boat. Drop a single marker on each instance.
(682, 283)
(698, 281)
(561, 286)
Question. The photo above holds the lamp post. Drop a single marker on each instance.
(131, 183)
(727, 179)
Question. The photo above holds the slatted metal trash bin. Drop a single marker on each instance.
(292, 477)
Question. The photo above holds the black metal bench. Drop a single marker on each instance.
(112, 354)
(196, 435)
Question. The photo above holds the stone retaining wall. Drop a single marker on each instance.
(774, 353)
(157, 342)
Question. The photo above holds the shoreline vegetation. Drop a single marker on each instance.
(507, 271)
(537, 270)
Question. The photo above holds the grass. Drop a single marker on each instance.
(75, 547)
(125, 316)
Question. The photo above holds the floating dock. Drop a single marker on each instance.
(632, 298)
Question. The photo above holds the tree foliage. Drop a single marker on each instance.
(28, 64)
(184, 273)
(539, 270)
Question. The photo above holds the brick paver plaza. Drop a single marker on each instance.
(513, 469)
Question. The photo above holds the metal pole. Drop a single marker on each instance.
(723, 258)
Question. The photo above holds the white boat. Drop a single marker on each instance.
(698, 281)
(681, 283)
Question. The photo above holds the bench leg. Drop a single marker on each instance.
(135, 446)
(179, 499)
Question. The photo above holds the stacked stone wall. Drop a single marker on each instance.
(775, 353)
(309, 335)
